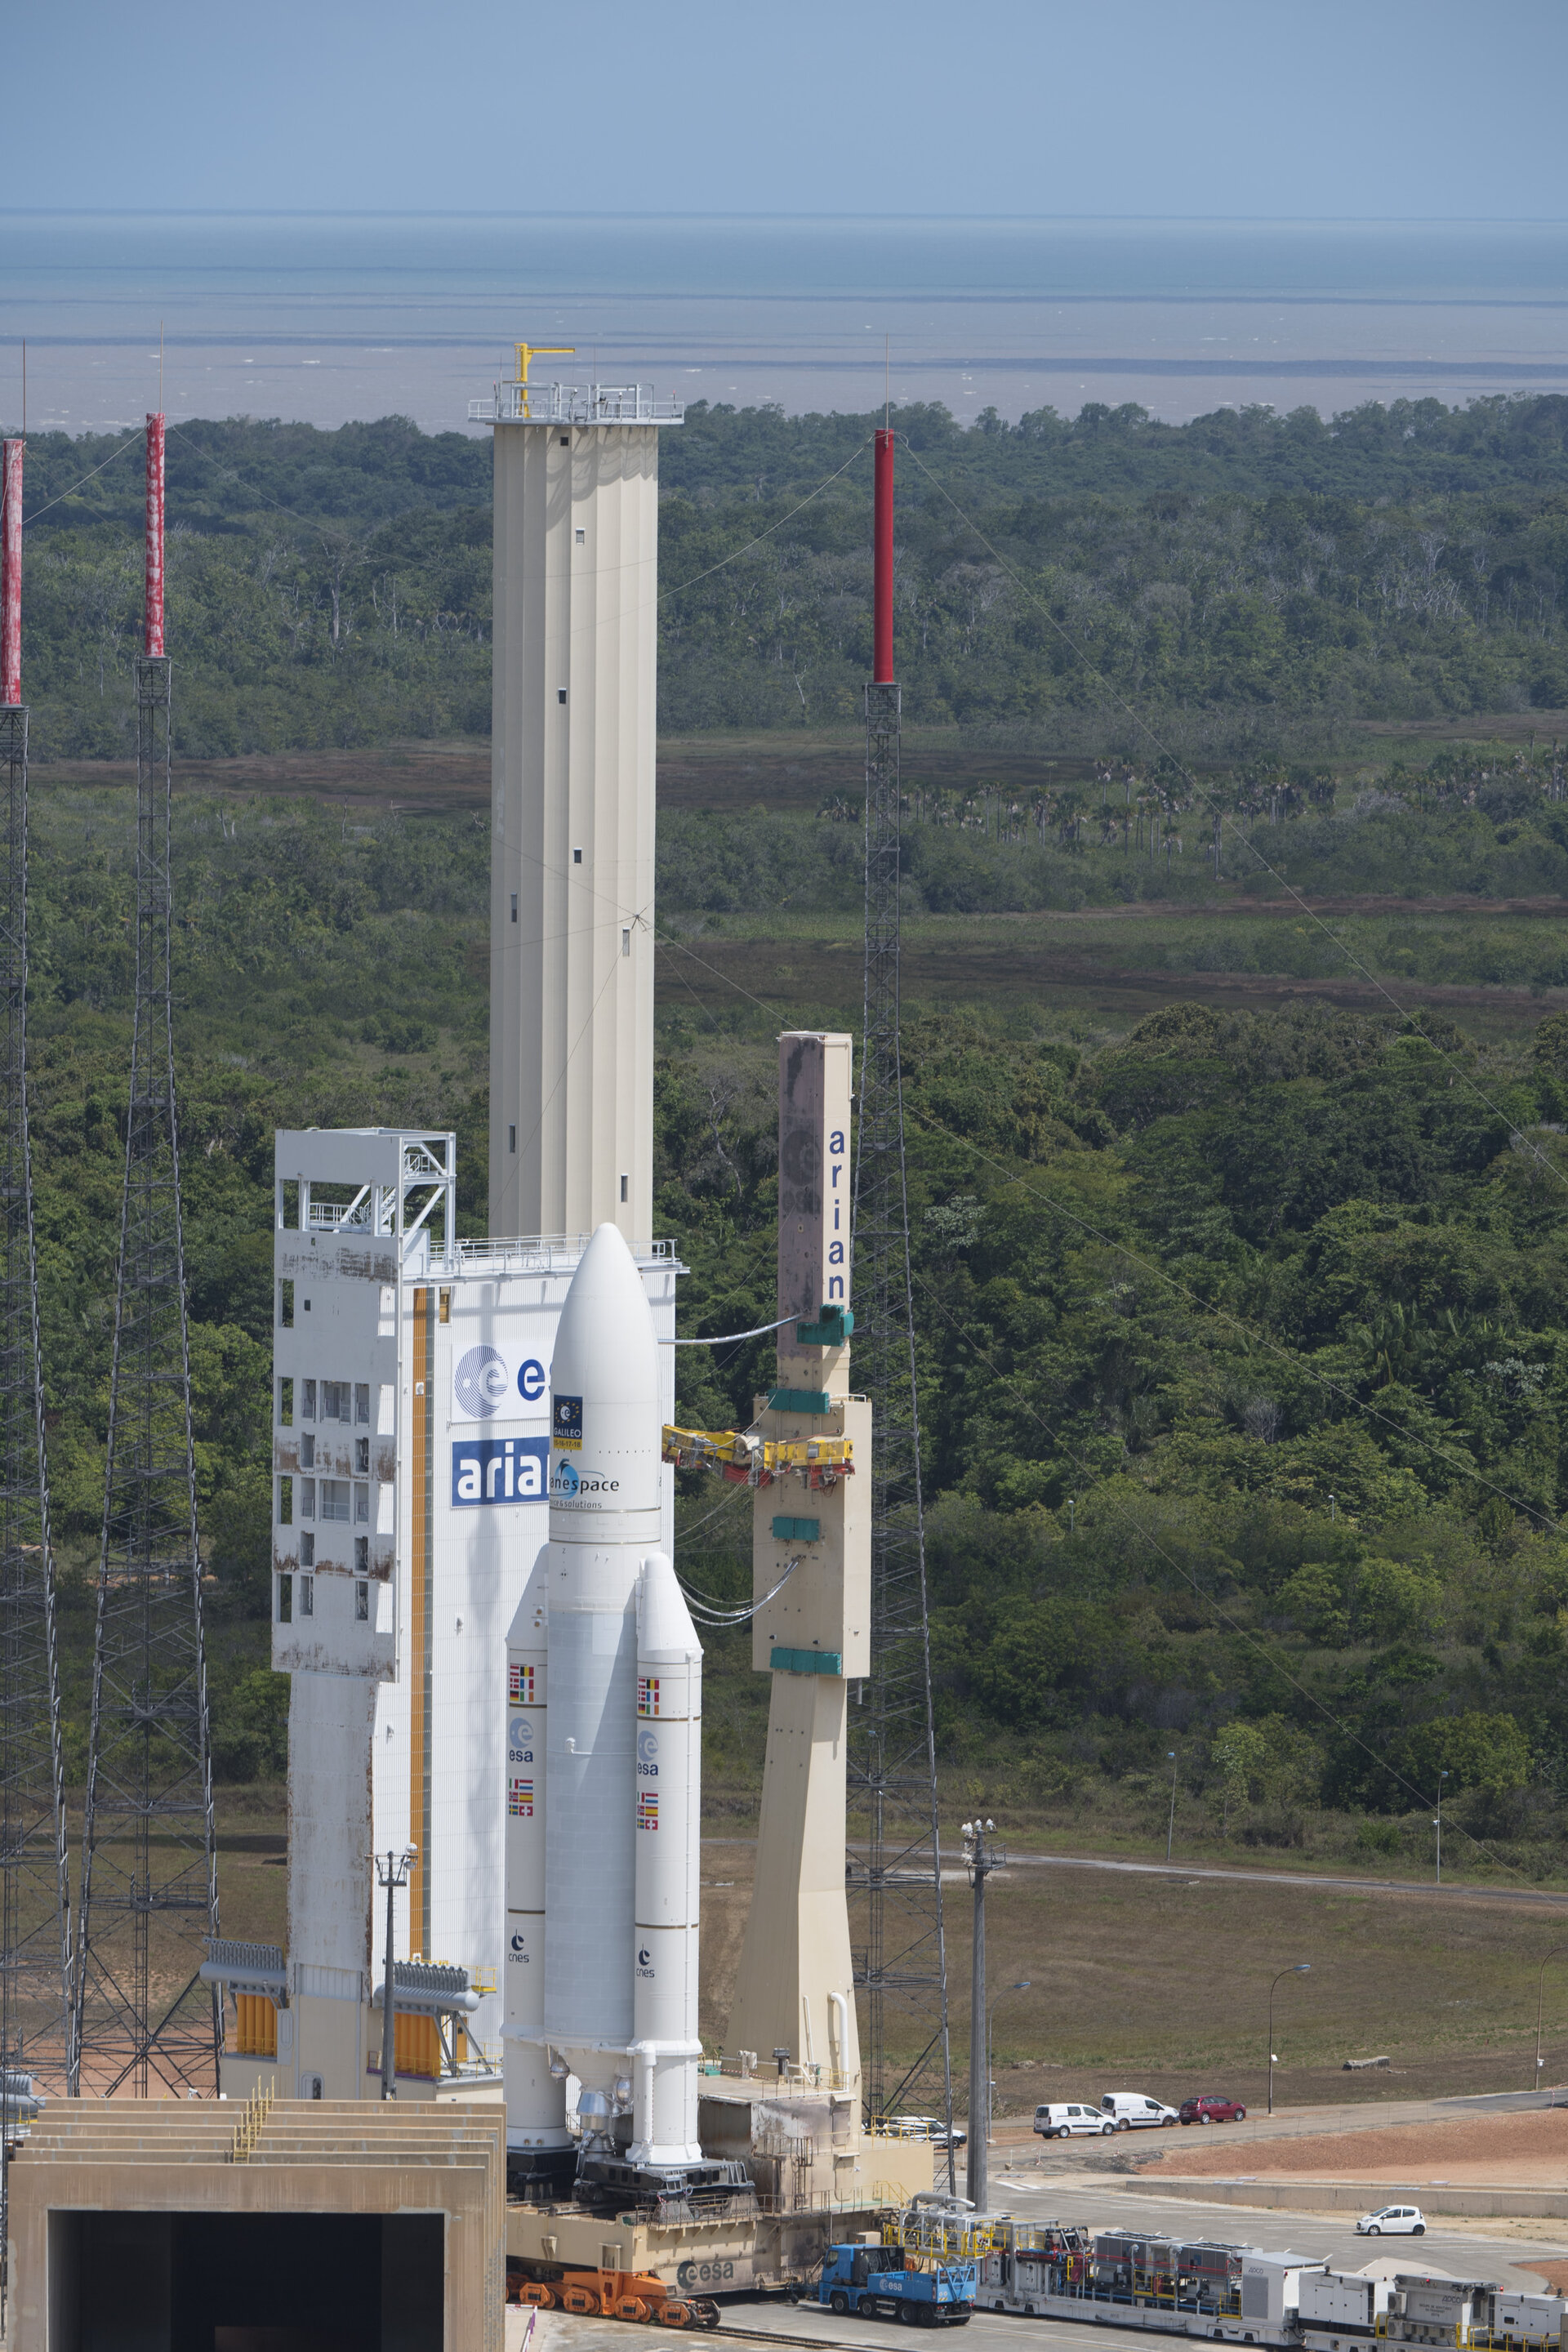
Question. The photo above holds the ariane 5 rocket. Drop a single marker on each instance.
(603, 1770)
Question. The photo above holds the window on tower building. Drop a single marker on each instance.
(335, 1498)
(285, 1404)
(362, 1400)
(308, 1399)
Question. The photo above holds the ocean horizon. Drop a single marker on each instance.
(328, 316)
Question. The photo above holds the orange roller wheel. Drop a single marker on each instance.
(580, 2299)
(675, 2314)
(629, 2307)
(533, 2291)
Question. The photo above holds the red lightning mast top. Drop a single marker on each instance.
(154, 637)
(882, 564)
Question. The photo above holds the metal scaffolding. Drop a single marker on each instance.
(893, 1865)
(141, 2017)
(35, 1914)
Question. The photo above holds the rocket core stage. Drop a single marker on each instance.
(603, 1673)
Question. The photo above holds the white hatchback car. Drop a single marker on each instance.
(1064, 2121)
(1392, 2222)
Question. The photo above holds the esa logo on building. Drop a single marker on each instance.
(483, 1385)
(648, 1755)
(488, 1470)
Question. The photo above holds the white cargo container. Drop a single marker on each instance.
(1526, 2318)
(1340, 2299)
(1270, 2285)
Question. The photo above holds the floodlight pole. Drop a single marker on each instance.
(392, 1874)
(1302, 1968)
(1556, 1953)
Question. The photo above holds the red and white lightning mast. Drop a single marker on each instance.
(892, 1754)
(35, 1948)
(148, 1882)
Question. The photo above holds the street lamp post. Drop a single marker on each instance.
(1556, 1953)
(1437, 1825)
(1022, 1985)
(1302, 1968)
(392, 1873)
(981, 1857)
(1171, 1825)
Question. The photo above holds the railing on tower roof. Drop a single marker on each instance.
(544, 1253)
(575, 404)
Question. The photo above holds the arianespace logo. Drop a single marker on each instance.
(570, 1485)
(498, 1470)
(483, 1384)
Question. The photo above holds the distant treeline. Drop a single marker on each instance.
(1250, 581)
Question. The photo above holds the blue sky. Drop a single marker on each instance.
(1295, 109)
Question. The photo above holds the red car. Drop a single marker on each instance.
(1212, 2110)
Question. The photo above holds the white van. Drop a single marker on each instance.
(1131, 2111)
(1063, 2122)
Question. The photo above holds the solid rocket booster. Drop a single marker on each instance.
(602, 1884)
(535, 2101)
(669, 1858)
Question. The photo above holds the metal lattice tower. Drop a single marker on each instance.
(35, 1914)
(142, 2017)
(895, 1869)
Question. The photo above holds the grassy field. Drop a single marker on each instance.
(1162, 1984)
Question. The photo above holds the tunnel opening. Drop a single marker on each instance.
(147, 2281)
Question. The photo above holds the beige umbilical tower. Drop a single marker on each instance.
(571, 941)
(795, 1987)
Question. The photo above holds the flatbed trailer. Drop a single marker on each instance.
(1246, 2295)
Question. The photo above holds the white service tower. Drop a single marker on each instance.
(411, 1443)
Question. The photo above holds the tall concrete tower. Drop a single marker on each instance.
(572, 939)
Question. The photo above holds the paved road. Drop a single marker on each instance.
(1182, 1877)
(1015, 2143)
(1179, 1876)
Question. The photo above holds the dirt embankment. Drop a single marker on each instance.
(1524, 2150)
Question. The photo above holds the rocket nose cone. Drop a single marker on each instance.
(605, 1393)
(604, 1343)
(665, 1631)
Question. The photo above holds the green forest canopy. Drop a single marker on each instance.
(1244, 1378)
(332, 589)
(1241, 1333)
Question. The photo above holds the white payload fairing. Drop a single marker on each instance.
(604, 1686)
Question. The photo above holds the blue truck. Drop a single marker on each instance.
(879, 2283)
